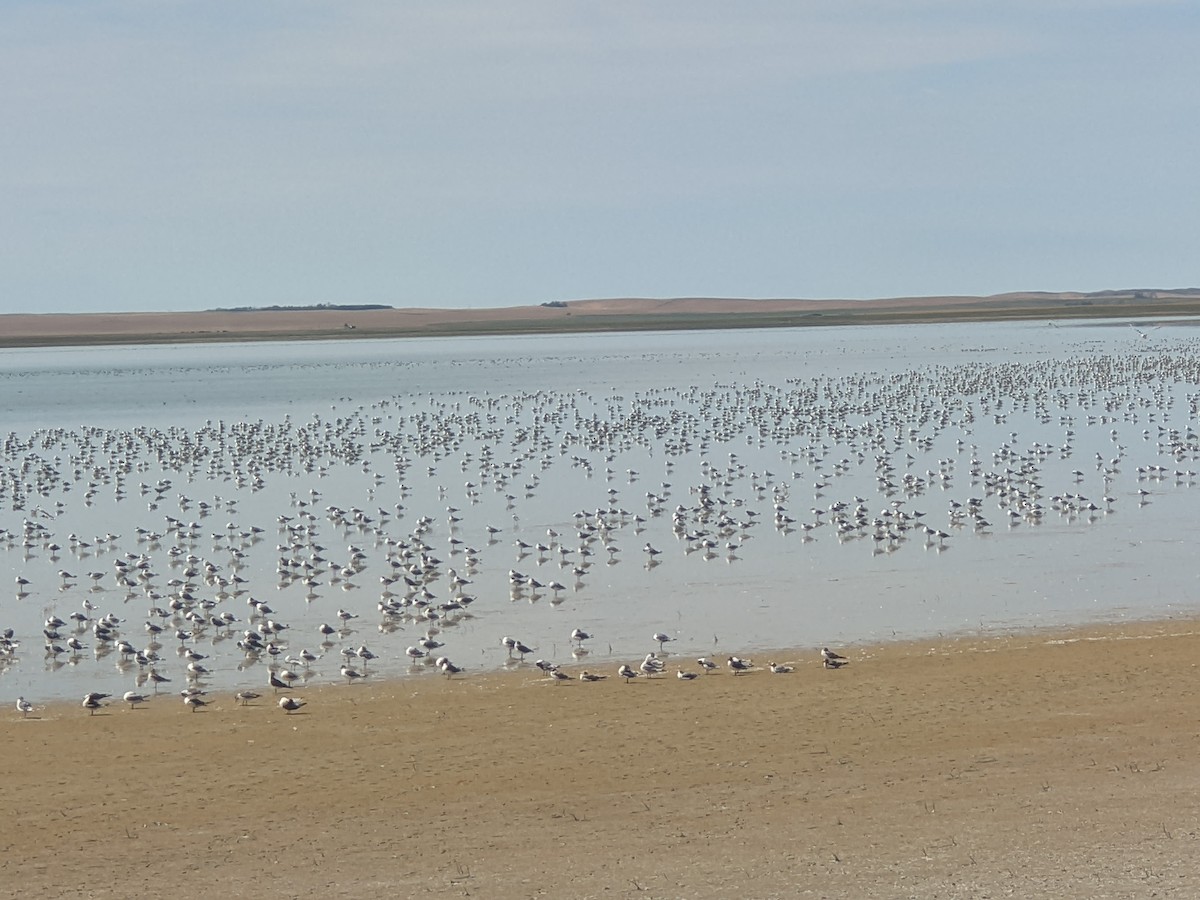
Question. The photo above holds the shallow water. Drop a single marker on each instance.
(733, 455)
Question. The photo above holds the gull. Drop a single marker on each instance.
(290, 704)
(779, 668)
(546, 667)
(579, 635)
(834, 663)
(133, 699)
(414, 652)
(365, 655)
(739, 665)
(449, 668)
(244, 697)
(194, 701)
(24, 707)
(559, 677)
(662, 638)
(589, 676)
(686, 676)
(706, 664)
(829, 656)
(627, 673)
(352, 675)
(651, 665)
(157, 678)
(92, 703)
(277, 683)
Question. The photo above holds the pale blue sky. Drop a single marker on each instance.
(189, 155)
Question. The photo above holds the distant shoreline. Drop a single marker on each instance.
(577, 316)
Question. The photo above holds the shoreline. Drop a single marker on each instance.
(577, 316)
(981, 766)
(803, 659)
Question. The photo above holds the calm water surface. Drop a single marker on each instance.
(735, 490)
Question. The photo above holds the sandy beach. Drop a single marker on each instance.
(1035, 764)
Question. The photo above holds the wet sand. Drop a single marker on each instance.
(1036, 764)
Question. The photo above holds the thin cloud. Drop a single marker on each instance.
(278, 132)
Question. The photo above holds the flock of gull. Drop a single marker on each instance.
(407, 535)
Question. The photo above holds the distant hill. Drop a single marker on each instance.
(363, 320)
(342, 307)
